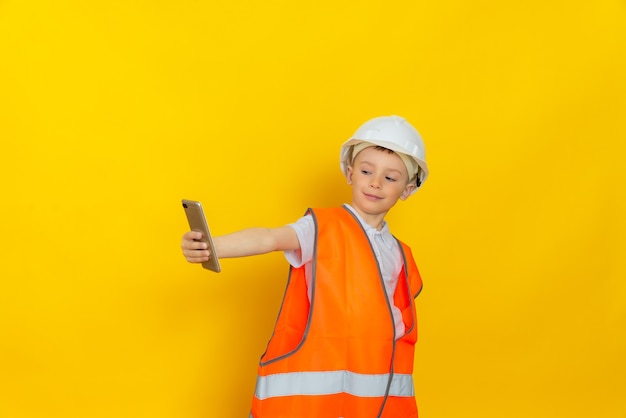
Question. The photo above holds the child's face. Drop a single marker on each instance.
(378, 180)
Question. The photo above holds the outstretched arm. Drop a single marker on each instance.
(251, 241)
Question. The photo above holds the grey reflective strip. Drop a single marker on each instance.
(328, 383)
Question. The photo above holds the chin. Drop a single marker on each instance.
(373, 207)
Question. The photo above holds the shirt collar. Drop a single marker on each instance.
(384, 233)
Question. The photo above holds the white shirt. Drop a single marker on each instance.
(385, 247)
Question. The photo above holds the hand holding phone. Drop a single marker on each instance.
(197, 222)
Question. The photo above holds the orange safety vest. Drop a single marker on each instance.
(337, 356)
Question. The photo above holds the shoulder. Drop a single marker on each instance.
(405, 247)
(330, 214)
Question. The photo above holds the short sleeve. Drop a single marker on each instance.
(305, 230)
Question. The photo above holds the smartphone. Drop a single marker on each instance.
(197, 222)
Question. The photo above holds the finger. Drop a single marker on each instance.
(197, 259)
(192, 235)
(193, 245)
(195, 254)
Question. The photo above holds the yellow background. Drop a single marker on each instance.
(111, 112)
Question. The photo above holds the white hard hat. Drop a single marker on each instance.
(391, 132)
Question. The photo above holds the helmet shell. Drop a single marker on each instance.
(394, 133)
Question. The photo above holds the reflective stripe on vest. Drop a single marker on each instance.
(329, 383)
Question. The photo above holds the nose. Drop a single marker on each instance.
(375, 183)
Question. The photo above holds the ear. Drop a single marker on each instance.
(407, 191)
(349, 172)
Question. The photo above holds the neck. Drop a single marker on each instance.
(375, 220)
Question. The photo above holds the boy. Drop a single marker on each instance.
(344, 339)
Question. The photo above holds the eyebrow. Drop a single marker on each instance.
(388, 169)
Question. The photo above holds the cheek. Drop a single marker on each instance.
(401, 191)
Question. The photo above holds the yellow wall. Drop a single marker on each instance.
(111, 112)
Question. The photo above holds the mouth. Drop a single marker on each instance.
(371, 196)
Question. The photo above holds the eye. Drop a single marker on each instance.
(390, 178)
(365, 172)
